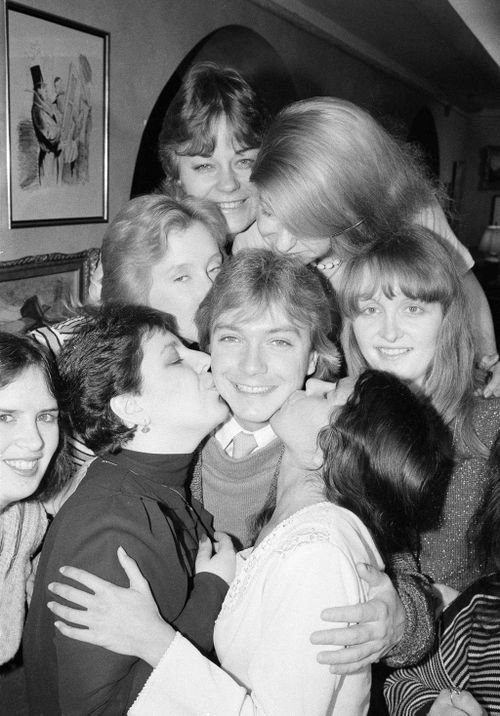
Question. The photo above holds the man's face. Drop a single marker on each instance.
(258, 362)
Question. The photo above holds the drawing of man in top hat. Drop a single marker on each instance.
(47, 127)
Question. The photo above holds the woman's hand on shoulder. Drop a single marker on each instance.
(219, 558)
(374, 627)
(456, 703)
(123, 620)
(491, 365)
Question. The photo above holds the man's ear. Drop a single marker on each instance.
(313, 361)
(127, 409)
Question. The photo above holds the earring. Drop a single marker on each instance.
(145, 428)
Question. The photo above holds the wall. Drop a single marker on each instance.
(483, 130)
(148, 41)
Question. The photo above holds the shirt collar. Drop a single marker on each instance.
(225, 434)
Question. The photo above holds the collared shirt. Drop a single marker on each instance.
(225, 434)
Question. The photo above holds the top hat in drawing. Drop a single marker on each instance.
(36, 76)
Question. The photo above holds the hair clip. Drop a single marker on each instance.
(353, 226)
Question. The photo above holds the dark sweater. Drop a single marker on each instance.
(138, 501)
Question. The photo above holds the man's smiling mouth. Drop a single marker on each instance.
(253, 389)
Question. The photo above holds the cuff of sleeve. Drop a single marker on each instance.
(419, 634)
(213, 583)
(149, 698)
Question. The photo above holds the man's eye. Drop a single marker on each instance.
(182, 278)
(6, 418)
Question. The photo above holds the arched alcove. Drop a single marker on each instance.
(234, 46)
(423, 133)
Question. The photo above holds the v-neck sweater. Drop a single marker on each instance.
(138, 501)
(235, 489)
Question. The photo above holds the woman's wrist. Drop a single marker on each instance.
(156, 641)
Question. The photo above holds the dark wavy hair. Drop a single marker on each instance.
(388, 458)
(103, 360)
(18, 354)
(209, 92)
(259, 279)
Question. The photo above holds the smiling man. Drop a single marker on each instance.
(265, 322)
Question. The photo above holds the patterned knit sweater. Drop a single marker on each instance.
(446, 555)
(235, 489)
(22, 527)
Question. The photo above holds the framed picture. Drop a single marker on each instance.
(53, 281)
(57, 90)
(495, 210)
(490, 172)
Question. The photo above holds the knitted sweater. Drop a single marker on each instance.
(446, 555)
(235, 489)
(22, 526)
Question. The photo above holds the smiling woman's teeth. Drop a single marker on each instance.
(393, 351)
(253, 388)
(21, 464)
(226, 205)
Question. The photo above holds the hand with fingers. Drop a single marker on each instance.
(452, 702)
(219, 558)
(123, 620)
(373, 627)
(491, 365)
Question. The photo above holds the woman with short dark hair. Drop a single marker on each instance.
(143, 402)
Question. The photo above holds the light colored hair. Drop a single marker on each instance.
(256, 280)
(137, 239)
(208, 93)
(326, 164)
(418, 263)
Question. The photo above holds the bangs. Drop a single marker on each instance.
(202, 138)
(363, 278)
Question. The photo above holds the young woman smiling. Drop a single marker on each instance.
(209, 141)
(29, 440)
(405, 312)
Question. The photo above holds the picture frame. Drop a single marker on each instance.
(58, 119)
(490, 168)
(495, 210)
(57, 280)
